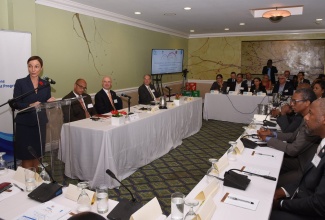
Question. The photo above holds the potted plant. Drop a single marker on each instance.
(177, 100)
(118, 117)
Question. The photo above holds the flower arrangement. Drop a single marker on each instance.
(117, 114)
(178, 96)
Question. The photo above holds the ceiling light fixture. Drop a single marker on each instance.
(192, 31)
(275, 15)
(241, 24)
(226, 29)
(137, 13)
(187, 8)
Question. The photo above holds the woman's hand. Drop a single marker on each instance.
(52, 99)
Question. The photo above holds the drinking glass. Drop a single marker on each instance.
(3, 164)
(212, 171)
(231, 153)
(30, 178)
(83, 199)
(177, 206)
(43, 174)
(191, 215)
(102, 199)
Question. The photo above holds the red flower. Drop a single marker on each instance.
(40, 83)
(114, 112)
(123, 113)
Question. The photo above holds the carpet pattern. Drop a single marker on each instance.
(180, 169)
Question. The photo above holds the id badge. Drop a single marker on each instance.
(316, 160)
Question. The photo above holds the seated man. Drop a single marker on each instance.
(299, 146)
(232, 80)
(219, 85)
(79, 109)
(239, 86)
(305, 198)
(106, 99)
(249, 81)
(147, 92)
(301, 79)
(282, 86)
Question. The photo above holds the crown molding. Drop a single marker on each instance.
(107, 15)
(258, 33)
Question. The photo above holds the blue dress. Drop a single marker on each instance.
(30, 127)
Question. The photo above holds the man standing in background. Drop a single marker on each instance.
(270, 71)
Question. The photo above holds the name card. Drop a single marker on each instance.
(151, 210)
(233, 93)
(248, 93)
(207, 209)
(214, 92)
(239, 148)
(73, 193)
(222, 163)
(20, 176)
(260, 94)
(209, 191)
(134, 116)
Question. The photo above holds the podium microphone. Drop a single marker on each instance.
(51, 81)
(168, 88)
(46, 191)
(127, 96)
(125, 208)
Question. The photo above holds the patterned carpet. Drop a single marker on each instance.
(182, 168)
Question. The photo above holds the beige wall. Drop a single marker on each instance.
(210, 56)
(86, 47)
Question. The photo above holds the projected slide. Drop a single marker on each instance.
(167, 61)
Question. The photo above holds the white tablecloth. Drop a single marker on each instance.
(90, 147)
(233, 108)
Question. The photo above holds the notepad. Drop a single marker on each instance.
(151, 210)
(240, 201)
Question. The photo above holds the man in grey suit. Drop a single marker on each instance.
(299, 146)
(305, 198)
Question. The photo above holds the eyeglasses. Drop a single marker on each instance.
(82, 87)
(293, 101)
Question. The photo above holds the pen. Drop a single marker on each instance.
(265, 154)
(18, 187)
(241, 200)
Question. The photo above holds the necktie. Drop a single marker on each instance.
(110, 99)
(152, 95)
(84, 107)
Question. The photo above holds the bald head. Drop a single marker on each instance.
(107, 82)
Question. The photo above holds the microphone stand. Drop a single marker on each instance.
(12, 103)
(169, 95)
(129, 108)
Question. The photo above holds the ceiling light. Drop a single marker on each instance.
(241, 23)
(137, 13)
(318, 21)
(192, 31)
(276, 15)
(187, 8)
(226, 29)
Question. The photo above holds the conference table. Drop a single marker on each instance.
(19, 202)
(89, 148)
(232, 108)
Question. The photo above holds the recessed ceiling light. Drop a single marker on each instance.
(319, 19)
(241, 23)
(192, 31)
(226, 29)
(187, 8)
(137, 13)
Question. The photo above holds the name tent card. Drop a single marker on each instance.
(206, 209)
(151, 210)
(209, 191)
(134, 116)
(73, 193)
(222, 163)
(248, 93)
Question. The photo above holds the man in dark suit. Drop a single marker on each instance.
(301, 79)
(299, 146)
(147, 91)
(232, 80)
(288, 76)
(270, 70)
(80, 108)
(240, 86)
(305, 198)
(106, 99)
(282, 86)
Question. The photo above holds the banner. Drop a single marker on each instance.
(15, 49)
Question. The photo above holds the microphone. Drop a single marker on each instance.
(45, 191)
(255, 174)
(51, 81)
(268, 123)
(168, 88)
(125, 208)
(127, 96)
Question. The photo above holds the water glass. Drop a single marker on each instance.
(231, 153)
(102, 199)
(83, 202)
(30, 178)
(177, 206)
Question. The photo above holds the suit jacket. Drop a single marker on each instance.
(303, 81)
(76, 110)
(261, 88)
(215, 86)
(289, 123)
(29, 117)
(310, 198)
(144, 94)
(273, 72)
(287, 90)
(298, 144)
(243, 85)
(103, 104)
(230, 82)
